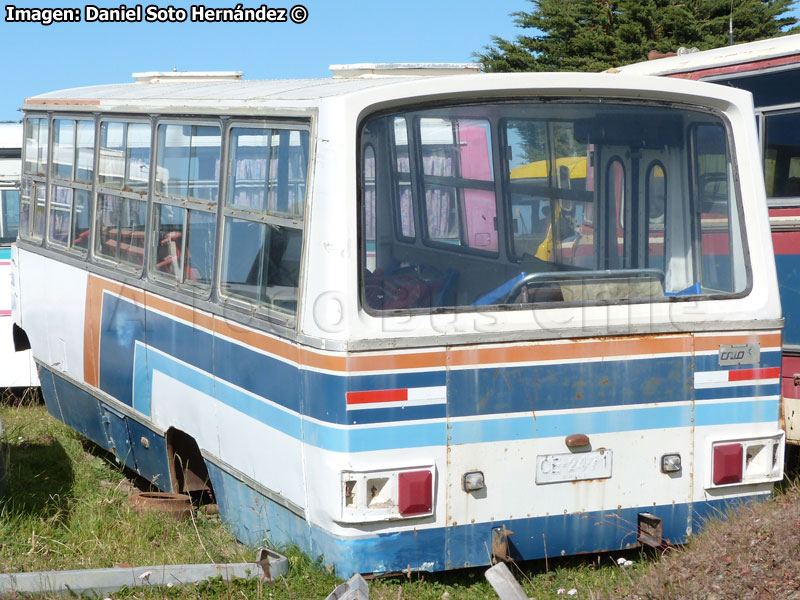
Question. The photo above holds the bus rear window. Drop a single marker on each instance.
(524, 203)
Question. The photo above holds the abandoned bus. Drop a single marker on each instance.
(17, 369)
(393, 319)
(769, 69)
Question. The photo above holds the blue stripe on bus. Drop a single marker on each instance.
(474, 391)
(253, 517)
(613, 421)
(435, 433)
(5, 253)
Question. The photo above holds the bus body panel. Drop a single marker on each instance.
(351, 432)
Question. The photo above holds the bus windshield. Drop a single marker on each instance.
(515, 203)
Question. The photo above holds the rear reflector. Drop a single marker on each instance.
(728, 464)
(415, 493)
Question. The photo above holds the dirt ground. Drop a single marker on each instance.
(755, 554)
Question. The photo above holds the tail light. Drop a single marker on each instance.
(387, 495)
(415, 493)
(728, 463)
(746, 460)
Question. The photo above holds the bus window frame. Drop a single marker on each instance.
(73, 183)
(397, 219)
(264, 312)
(214, 303)
(761, 113)
(188, 204)
(762, 117)
(136, 271)
(416, 107)
(36, 180)
(459, 183)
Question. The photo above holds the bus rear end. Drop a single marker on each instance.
(567, 336)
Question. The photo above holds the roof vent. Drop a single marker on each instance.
(376, 70)
(184, 76)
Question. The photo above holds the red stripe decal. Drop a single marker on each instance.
(5, 313)
(747, 374)
(377, 396)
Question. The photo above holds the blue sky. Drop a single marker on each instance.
(40, 59)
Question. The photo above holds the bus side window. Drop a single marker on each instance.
(188, 169)
(123, 174)
(782, 155)
(36, 138)
(71, 172)
(32, 202)
(263, 216)
(717, 220)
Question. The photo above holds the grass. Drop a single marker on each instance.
(66, 507)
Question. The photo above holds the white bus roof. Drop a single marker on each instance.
(718, 57)
(10, 135)
(297, 96)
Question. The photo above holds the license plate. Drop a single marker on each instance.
(552, 468)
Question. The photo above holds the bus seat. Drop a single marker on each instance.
(401, 285)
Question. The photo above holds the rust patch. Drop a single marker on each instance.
(500, 544)
(62, 102)
(177, 506)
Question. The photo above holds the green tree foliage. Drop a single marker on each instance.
(593, 35)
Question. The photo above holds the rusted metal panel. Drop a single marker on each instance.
(651, 530)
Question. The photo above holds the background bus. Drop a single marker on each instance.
(770, 70)
(394, 319)
(17, 369)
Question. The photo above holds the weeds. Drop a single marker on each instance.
(67, 507)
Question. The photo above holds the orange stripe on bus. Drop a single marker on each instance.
(705, 344)
(365, 362)
(573, 349)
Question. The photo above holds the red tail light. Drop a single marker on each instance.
(728, 464)
(415, 493)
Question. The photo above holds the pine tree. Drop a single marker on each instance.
(592, 35)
